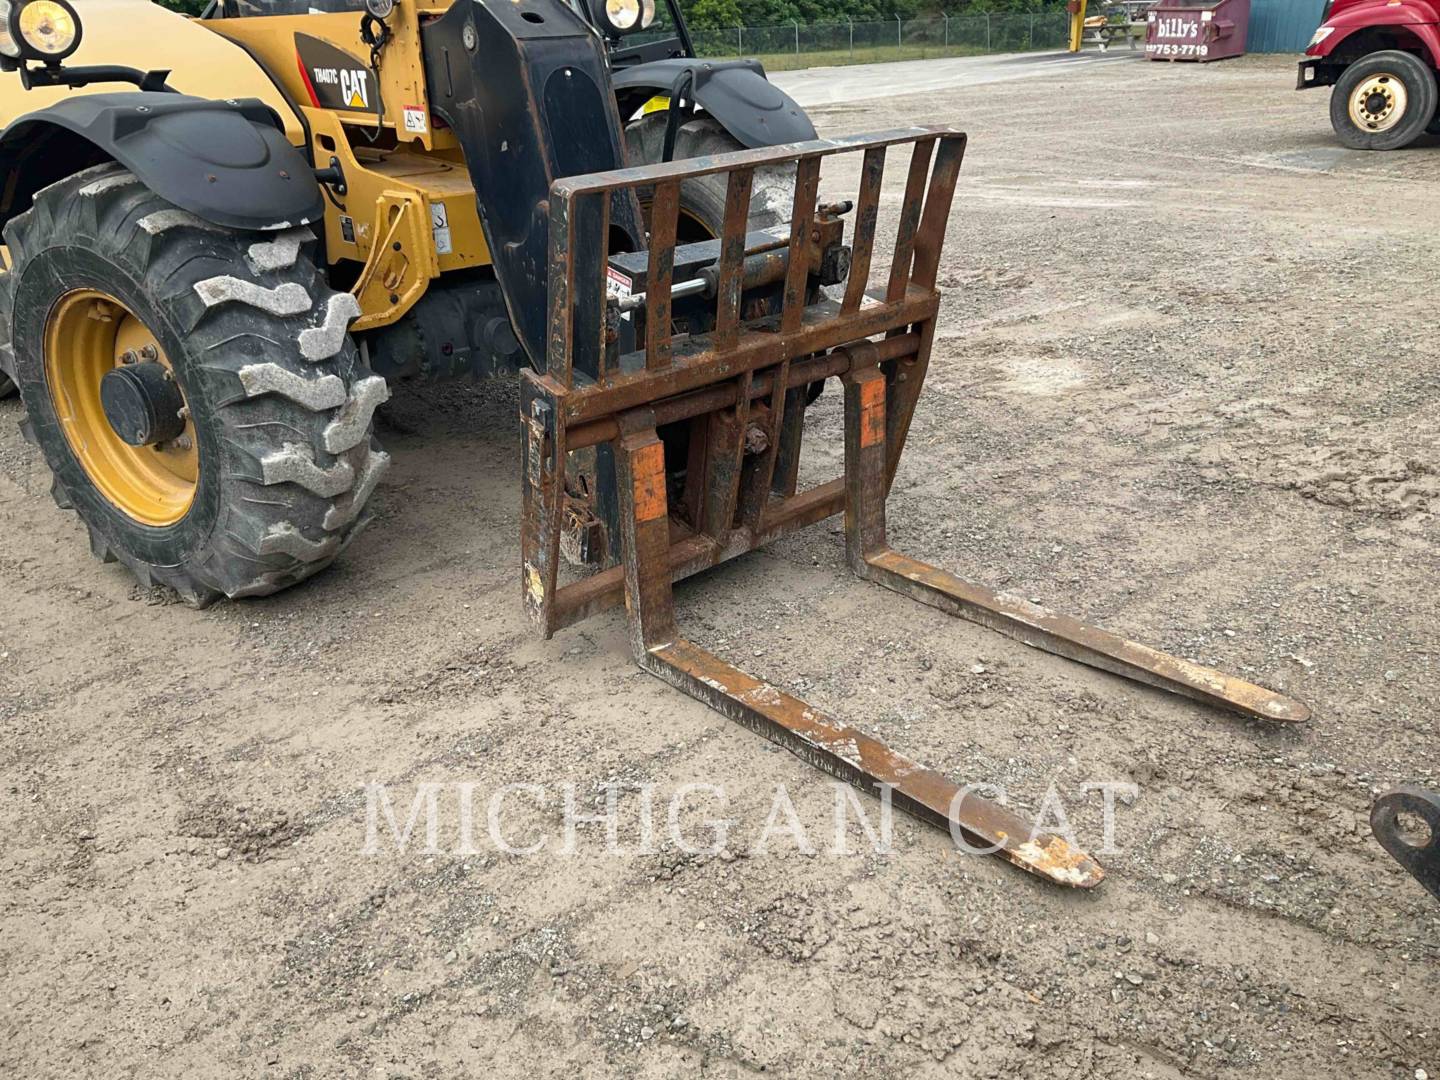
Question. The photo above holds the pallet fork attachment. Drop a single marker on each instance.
(738, 389)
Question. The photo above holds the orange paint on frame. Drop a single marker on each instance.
(872, 412)
(648, 464)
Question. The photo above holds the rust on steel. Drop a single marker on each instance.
(1069, 637)
(664, 213)
(784, 154)
(698, 363)
(867, 215)
(848, 754)
(802, 373)
(732, 258)
(738, 392)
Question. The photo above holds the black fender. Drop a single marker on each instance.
(226, 162)
(735, 92)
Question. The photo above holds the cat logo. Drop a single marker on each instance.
(333, 78)
(352, 89)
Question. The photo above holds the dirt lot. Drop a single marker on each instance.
(1185, 387)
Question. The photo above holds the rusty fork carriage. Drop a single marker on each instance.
(726, 397)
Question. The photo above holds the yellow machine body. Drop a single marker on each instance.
(141, 33)
(408, 214)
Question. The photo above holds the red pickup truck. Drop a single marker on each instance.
(1381, 57)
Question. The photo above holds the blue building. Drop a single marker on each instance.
(1282, 26)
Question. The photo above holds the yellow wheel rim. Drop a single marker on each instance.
(89, 333)
(1378, 103)
(690, 229)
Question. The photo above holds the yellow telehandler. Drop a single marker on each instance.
(218, 263)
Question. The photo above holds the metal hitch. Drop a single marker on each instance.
(1420, 855)
(728, 404)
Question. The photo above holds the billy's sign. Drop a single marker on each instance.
(1185, 30)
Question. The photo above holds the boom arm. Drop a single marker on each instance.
(527, 92)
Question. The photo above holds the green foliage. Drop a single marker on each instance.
(728, 14)
(709, 14)
(725, 14)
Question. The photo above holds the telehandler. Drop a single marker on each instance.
(218, 265)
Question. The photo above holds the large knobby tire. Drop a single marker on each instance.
(1383, 101)
(276, 403)
(702, 200)
(7, 385)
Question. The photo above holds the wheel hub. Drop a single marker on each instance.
(121, 408)
(1378, 103)
(142, 403)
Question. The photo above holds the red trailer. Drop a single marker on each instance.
(1179, 30)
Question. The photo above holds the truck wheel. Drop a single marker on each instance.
(1383, 101)
(702, 200)
(193, 389)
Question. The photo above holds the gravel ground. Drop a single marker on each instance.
(1182, 387)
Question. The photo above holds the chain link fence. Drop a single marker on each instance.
(822, 44)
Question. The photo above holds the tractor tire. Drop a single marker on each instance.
(702, 200)
(8, 389)
(268, 479)
(1383, 101)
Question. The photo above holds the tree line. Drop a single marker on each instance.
(723, 14)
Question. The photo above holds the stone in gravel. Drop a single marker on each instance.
(222, 853)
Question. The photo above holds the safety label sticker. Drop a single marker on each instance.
(440, 225)
(617, 285)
